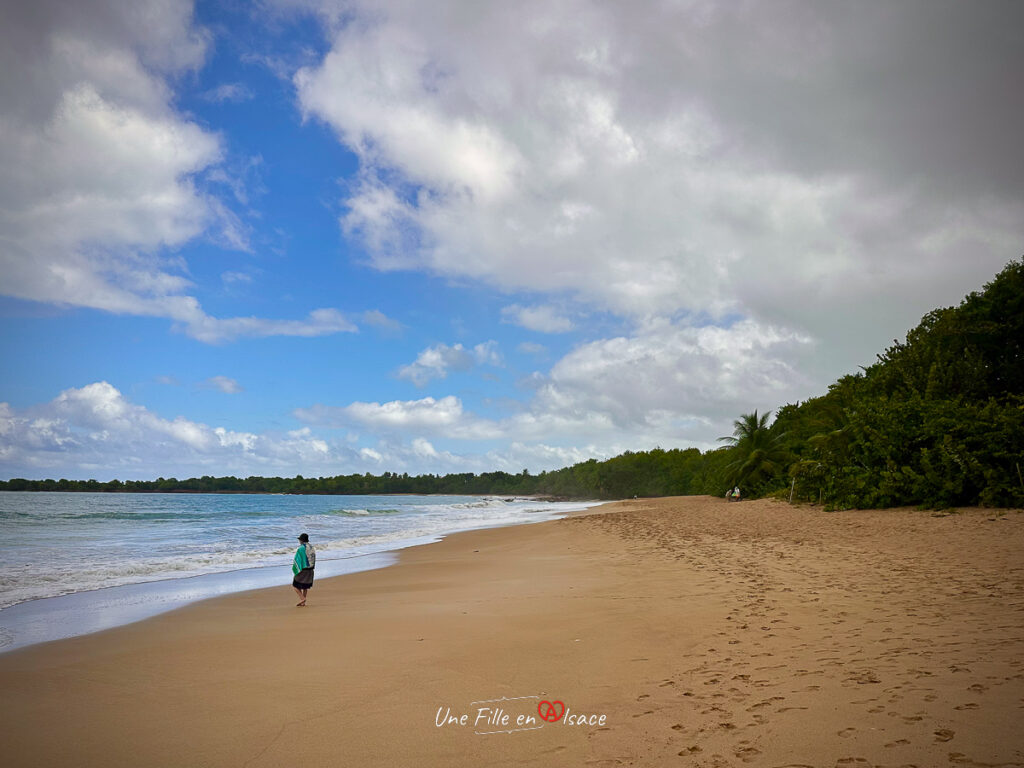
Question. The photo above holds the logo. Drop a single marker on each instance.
(548, 713)
(515, 714)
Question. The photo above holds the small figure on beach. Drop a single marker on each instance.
(302, 568)
(733, 495)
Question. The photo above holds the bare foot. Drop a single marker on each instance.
(301, 604)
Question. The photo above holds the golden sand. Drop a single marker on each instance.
(705, 634)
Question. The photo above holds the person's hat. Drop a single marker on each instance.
(304, 537)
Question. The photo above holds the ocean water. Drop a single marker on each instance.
(72, 563)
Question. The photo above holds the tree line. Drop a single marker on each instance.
(936, 421)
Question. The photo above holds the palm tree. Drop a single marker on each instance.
(760, 455)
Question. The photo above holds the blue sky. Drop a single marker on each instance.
(330, 237)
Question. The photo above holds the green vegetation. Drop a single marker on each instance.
(937, 421)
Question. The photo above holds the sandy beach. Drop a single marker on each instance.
(681, 631)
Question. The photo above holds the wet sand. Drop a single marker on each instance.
(705, 634)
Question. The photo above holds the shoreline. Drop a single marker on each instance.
(730, 635)
(77, 614)
(506, 496)
(74, 614)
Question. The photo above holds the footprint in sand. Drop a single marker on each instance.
(944, 734)
(677, 727)
(971, 705)
(747, 754)
(866, 677)
(898, 743)
(690, 751)
(847, 732)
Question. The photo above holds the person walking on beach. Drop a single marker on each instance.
(302, 567)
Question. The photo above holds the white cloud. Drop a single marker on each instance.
(377, 319)
(531, 348)
(369, 453)
(487, 353)
(420, 455)
(669, 380)
(435, 362)
(229, 278)
(400, 414)
(96, 426)
(424, 449)
(234, 93)
(668, 385)
(100, 170)
(223, 384)
(518, 456)
(545, 319)
(637, 163)
(213, 330)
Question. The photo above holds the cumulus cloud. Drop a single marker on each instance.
(421, 455)
(487, 353)
(676, 380)
(100, 181)
(96, 428)
(423, 449)
(435, 362)
(673, 385)
(95, 431)
(402, 414)
(544, 318)
(795, 164)
(369, 453)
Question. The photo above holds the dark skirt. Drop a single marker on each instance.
(303, 579)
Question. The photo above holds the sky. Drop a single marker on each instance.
(322, 237)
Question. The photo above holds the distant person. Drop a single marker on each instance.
(736, 493)
(302, 567)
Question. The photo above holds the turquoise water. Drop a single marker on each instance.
(86, 561)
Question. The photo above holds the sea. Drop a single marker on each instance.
(75, 563)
